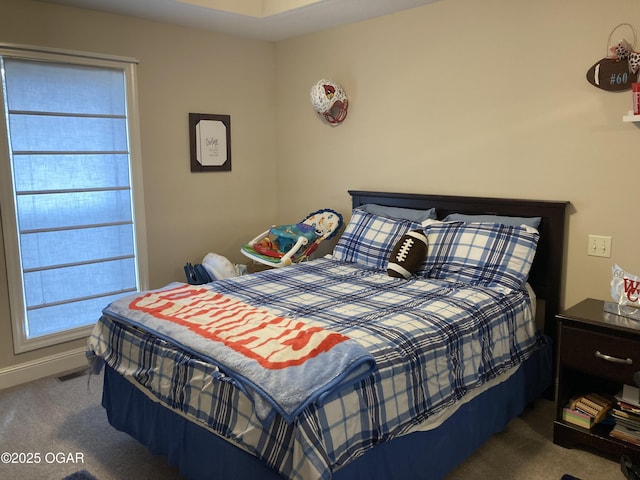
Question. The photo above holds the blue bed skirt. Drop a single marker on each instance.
(199, 454)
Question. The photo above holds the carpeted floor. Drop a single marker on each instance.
(64, 423)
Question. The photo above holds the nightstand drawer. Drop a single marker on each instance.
(608, 356)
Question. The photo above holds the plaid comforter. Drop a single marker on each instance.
(433, 342)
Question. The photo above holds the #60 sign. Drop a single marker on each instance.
(611, 75)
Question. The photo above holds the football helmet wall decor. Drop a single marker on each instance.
(330, 101)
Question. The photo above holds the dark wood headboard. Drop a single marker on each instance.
(547, 269)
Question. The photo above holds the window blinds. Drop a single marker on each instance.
(72, 185)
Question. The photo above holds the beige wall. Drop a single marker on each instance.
(457, 97)
(474, 98)
(180, 71)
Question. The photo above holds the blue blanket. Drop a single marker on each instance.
(283, 364)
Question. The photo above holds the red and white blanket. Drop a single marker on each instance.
(283, 364)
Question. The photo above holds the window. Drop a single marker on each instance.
(71, 191)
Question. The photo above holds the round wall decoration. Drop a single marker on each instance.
(330, 101)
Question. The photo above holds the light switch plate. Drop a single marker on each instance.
(599, 246)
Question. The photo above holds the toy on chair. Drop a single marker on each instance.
(283, 245)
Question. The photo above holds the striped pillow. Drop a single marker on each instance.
(482, 254)
(368, 239)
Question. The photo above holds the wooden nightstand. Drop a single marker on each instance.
(597, 352)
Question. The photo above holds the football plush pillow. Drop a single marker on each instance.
(408, 254)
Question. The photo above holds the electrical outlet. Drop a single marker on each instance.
(599, 246)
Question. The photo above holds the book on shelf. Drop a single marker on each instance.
(627, 407)
(626, 414)
(622, 418)
(626, 434)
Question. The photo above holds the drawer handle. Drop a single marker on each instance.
(609, 358)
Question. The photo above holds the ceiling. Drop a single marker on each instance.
(270, 20)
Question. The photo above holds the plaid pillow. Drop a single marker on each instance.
(480, 253)
(368, 239)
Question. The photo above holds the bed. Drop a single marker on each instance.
(422, 371)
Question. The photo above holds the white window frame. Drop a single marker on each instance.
(21, 343)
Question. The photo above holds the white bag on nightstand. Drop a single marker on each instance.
(625, 291)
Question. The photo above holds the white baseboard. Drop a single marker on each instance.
(42, 367)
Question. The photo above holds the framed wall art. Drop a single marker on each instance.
(210, 142)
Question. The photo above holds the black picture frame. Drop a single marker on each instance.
(210, 152)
